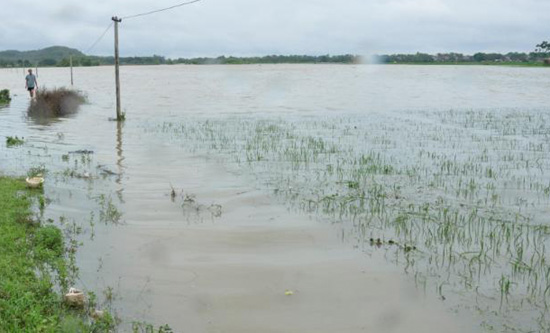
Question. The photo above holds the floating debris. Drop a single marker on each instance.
(34, 182)
(97, 314)
(378, 243)
(105, 171)
(75, 174)
(172, 193)
(82, 151)
(189, 198)
(215, 210)
(75, 297)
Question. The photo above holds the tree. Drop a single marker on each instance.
(543, 47)
(47, 62)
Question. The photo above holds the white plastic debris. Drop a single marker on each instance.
(97, 314)
(75, 297)
(34, 182)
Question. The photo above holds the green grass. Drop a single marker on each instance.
(32, 265)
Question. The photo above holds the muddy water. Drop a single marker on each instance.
(220, 255)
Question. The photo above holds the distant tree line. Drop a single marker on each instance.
(85, 61)
(539, 56)
(159, 60)
(270, 59)
(512, 57)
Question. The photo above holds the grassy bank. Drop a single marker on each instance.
(33, 265)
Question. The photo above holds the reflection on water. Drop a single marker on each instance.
(37, 119)
(120, 159)
(224, 244)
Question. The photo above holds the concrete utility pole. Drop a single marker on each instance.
(117, 75)
(71, 63)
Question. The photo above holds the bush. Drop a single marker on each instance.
(58, 102)
(5, 96)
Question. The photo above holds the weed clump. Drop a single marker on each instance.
(57, 102)
(48, 242)
(5, 96)
(37, 171)
(14, 141)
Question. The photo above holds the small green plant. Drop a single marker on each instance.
(108, 212)
(36, 171)
(120, 118)
(109, 294)
(41, 202)
(14, 141)
(48, 243)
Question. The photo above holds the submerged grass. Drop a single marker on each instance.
(32, 266)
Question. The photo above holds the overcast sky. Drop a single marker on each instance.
(260, 27)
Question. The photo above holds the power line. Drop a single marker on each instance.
(137, 15)
(160, 10)
(100, 38)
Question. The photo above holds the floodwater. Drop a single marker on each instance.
(270, 223)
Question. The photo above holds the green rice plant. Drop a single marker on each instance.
(108, 212)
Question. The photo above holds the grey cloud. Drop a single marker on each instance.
(254, 27)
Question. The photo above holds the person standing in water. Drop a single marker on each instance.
(30, 83)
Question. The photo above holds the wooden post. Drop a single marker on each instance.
(36, 70)
(71, 63)
(117, 75)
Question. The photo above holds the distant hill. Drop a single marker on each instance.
(48, 56)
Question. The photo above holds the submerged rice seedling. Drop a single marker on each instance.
(463, 193)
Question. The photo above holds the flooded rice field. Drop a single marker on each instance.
(304, 198)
